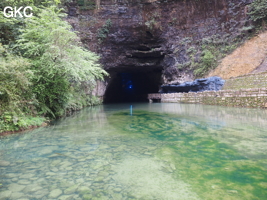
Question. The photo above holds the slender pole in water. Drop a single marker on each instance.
(131, 109)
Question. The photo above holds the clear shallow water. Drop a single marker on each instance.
(155, 151)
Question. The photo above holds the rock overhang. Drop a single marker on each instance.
(155, 36)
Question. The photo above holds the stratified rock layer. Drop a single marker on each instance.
(157, 37)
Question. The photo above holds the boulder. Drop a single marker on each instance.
(198, 85)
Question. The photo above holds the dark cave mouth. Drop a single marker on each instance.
(132, 86)
(138, 73)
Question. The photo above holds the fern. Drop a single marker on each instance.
(58, 59)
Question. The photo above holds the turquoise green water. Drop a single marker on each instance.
(140, 151)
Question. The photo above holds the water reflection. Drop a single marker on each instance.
(140, 151)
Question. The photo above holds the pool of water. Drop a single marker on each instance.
(155, 151)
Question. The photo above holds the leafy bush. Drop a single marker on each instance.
(9, 27)
(17, 100)
(258, 10)
(208, 62)
(58, 59)
(15, 92)
(103, 31)
(11, 122)
(208, 58)
(47, 75)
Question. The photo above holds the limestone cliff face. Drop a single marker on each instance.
(153, 36)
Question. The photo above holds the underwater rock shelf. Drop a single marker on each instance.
(251, 98)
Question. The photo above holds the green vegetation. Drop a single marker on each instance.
(44, 70)
(247, 82)
(151, 23)
(153, 20)
(208, 61)
(204, 57)
(86, 4)
(18, 103)
(103, 31)
(11, 122)
(213, 49)
(258, 11)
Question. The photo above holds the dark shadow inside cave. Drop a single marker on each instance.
(132, 86)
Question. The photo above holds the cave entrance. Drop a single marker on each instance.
(132, 86)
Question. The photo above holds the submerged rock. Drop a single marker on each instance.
(5, 194)
(16, 195)
(14, 187)
(71, 189)
(4, 163)
(55, 193)
(66, 197)
(87, 196)
(199, 85)
(232, 191)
